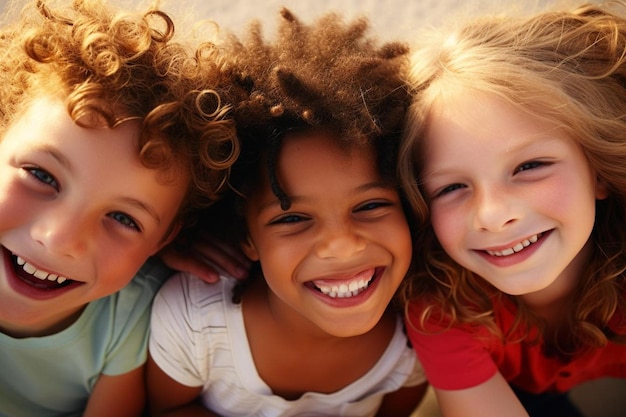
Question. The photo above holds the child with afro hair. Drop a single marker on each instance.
(314, 203)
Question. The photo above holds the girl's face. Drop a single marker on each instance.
(79, 214)
(512, 196)
(336, 257)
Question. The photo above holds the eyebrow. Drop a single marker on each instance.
(54, 153)
(519, 144)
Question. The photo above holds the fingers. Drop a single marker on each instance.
(206, 258)
(186, 262)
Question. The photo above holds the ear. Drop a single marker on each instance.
(602, 190)
(249, 249)
(171, 234)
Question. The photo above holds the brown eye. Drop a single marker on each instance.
(448, 189)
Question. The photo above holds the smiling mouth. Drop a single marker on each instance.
(348, 288)
(516, 248)
(38, 277)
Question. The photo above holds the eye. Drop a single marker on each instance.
(448, 189)
(372, 205)
(289, 219)
(529, 165)
(125, 220)
(43, 177)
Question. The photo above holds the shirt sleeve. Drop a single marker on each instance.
(128, 319)
(172, 343)
(453, 358)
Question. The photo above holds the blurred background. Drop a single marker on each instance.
(390, 19)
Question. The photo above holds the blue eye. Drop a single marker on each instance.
(43, 176)
(125, 220)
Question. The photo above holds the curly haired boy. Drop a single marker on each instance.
(111, 135)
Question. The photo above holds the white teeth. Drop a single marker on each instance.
(521, 245)
(38, 273)
(345, 290)
(41, 274)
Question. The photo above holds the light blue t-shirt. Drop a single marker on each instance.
(54, 375)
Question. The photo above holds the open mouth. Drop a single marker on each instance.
(347, 288)
(38, 277)
(520, 246)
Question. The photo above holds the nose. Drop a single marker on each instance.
(62, 232)
(494, 210)
(340, 241)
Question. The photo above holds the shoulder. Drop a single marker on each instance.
(126, 313)
(144, 285)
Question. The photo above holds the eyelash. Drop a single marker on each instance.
(448, 189)
(297, 218)
(289, 218)
(372, 205)
(43, 177)
(127, 221)
(529, 165)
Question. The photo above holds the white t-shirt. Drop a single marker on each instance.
(198, 338)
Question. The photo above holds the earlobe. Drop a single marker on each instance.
(602, 190)
(249, 249)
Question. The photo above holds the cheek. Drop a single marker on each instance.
(277, 256)
(401, 242)
(118, 267)
(16, 207)
(447, 225)
(566, 198)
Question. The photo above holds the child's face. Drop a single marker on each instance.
(512, 196)
(78, 204)
(337, 256)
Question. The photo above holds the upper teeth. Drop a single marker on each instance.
(38, 273)
(510, 251)
(346, 289)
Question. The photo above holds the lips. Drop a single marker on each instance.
(346, 288)
(515, 248)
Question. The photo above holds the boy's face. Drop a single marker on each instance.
(336, 257)
(79, 214)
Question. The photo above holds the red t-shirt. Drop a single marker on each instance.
(463, 357)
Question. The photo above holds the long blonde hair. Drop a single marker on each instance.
(570, 68)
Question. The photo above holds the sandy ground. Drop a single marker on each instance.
(390, 19)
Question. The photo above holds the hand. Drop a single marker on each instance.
(206, 258)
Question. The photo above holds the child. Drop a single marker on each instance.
(100, 128)
(518, 136)
(314, 200)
